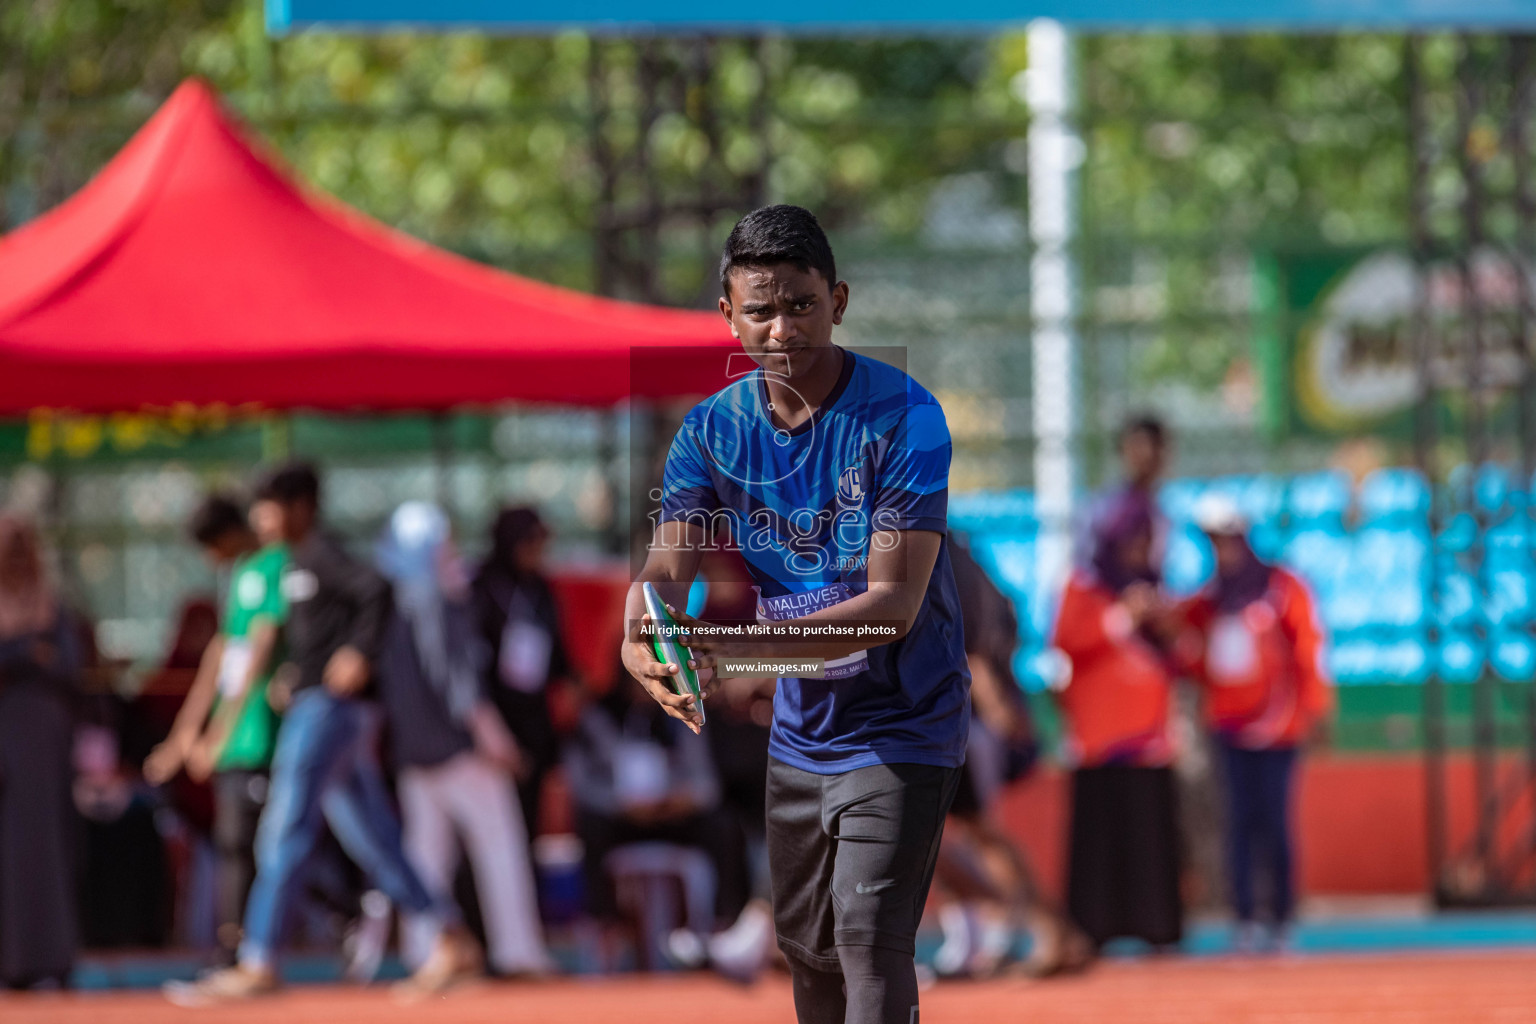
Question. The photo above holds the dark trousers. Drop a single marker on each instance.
(1258, 784)
(1124, 861)
(238, 797)
(38, 837)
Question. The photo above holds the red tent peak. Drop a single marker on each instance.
(196, 268)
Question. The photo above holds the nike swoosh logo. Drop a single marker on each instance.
(865, 890)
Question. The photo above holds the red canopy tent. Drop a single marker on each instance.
(192, 269)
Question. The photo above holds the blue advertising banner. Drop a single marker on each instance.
(897, 15)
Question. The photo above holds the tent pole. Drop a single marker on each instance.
(442, 460)
(1055, 157)
(277, 437)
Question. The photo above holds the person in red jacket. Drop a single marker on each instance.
(1253, 642)
(1113, 626)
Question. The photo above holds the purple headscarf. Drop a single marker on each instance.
(1245, 584)
(1121, 516)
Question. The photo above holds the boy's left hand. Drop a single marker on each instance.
(704, 649)
(201, 761)
(347, 672)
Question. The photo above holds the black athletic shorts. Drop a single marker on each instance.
(851, 856)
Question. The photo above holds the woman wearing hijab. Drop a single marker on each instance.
(40, 667)
(1123, 874)
(1254, 643)
(455, 758)
(517, 616)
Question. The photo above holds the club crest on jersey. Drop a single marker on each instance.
(850, 486)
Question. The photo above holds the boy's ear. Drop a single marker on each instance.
(725, 311)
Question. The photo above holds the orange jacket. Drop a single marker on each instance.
(1116, 704)
(1261, 668)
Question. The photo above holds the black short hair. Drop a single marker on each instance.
(1148, 424)
(289, 484)
(777, 234)
(217, 516)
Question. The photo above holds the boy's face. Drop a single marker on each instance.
(297, 518)
(1230, 549)
(227, 547)
(783, 316)
(1143, 456)
(267, 522)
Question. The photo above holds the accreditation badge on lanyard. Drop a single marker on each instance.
(234, 666)
(793, 606)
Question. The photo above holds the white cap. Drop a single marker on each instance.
(1219, 514)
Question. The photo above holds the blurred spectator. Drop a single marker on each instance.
(325, 766)
(516, 611)
(226, 727)
(124, 870)
(152, 714)
(979, 864)
(1143, 448)
(637, 775)
(1123, 873)
(40, 668)
(1255, 645)
(455, 757)
(740, 716)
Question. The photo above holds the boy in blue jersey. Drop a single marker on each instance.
(829, 471)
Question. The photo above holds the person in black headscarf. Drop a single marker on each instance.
(1114, 627)
(41, 663)
(517, 616)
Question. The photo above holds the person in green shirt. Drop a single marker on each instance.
(227, 727)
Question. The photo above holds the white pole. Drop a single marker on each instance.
(1055, 154)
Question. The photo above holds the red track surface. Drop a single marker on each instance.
(1462, 988)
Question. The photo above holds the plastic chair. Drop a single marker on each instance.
(1513, 656)
(984, 511)
(1188, 561)
(647, 877)
(1394, 493)
(1318, 498)
(1261, 499)
(1490, 486)
(1178, 499)
(1462, 659)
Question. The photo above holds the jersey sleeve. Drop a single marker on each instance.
(1192, 618)
(687, 491)
(274, 605)
(1311, 642)
(1082, 622)
(912, 489)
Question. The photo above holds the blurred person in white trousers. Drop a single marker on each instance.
(456, 760)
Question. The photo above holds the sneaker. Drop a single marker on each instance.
(367, 938)
(953, 959)
(1246, 938)
(230, 985)
(455, 959)
(741, 952)
(687, 950)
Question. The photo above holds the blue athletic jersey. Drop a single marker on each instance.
(802, 506)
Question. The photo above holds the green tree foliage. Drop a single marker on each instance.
(616, 164)
(496, 147)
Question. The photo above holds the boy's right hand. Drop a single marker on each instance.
(164, 761)
(640, 662)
